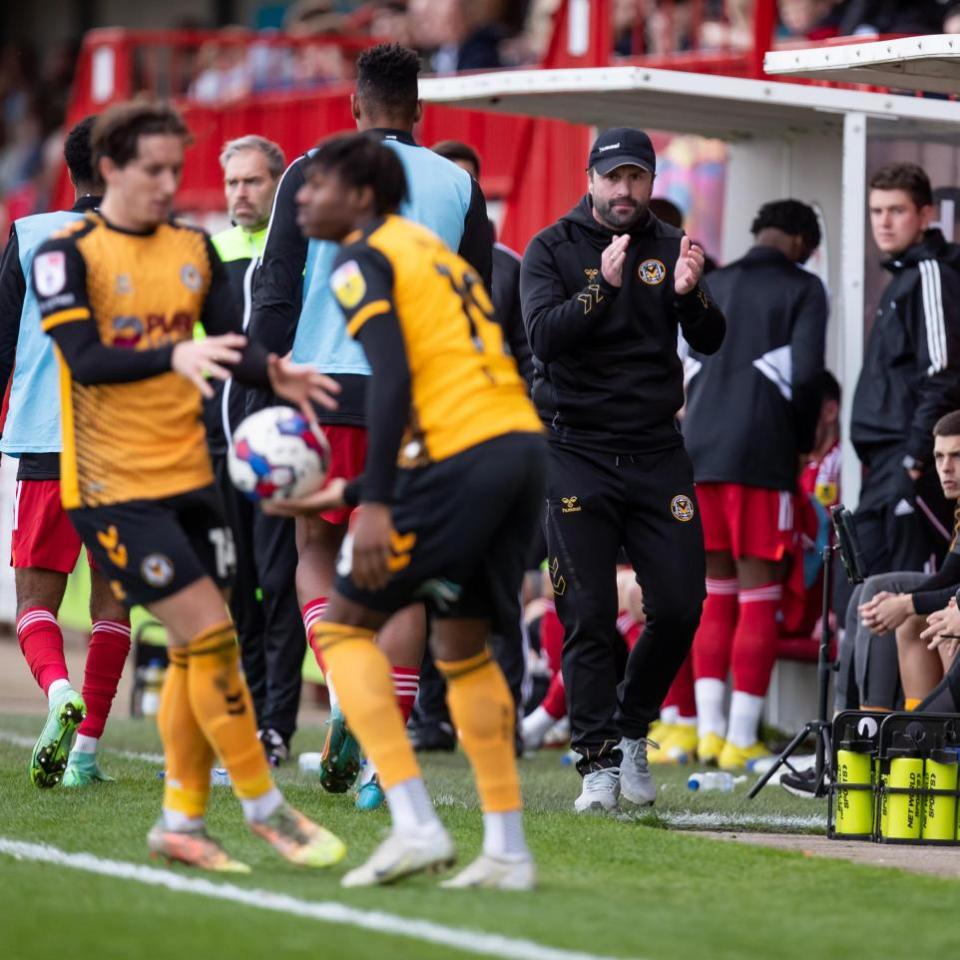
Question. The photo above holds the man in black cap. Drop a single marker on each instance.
(604, 293)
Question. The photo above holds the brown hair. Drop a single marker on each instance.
(948, 425)
(455, 150)
(117, 131)
(907, 177)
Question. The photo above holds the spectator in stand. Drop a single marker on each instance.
(891, 16)
(814, 20)
(951, 20)
(764, 386)
(462, 35)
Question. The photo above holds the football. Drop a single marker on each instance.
(277, 455)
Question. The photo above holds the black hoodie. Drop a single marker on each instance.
(606, 370)
(911, 365)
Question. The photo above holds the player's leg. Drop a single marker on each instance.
(920, 669)
(663, 538)
(106, 656)
(44, 549)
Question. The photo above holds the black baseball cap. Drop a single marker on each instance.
(622, 146)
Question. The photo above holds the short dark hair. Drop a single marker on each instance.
(387, 79)
(118, 130)
(794, 218)
(829, 387)
(78, 153)
(458, 150)
(907, 177)
(362, 161)
(948, 425)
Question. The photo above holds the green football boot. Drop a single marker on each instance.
(340, 760)
(49, 759)
(82, 771)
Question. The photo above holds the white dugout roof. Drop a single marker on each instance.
(785, 139)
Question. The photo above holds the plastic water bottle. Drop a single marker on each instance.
(712, 780)
(152, 683)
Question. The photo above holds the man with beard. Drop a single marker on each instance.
(604, 293)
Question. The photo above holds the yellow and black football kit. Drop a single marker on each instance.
(135, 471)
(455, 445)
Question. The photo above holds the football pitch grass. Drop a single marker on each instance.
(633, 887)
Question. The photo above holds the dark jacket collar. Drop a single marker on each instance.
(933, 246)
(87, 202)
(761, 254)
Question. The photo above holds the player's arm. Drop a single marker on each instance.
(808, 344)
(59, 279)
(936, 313)
(476, 244)
(13, 288)
(278, 283)
(557, 323)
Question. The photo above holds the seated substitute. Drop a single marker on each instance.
(449, 501)
(119, 292)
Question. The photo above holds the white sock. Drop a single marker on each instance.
(410, 805)
(85, 744)
(175, 820)
(745, 710)
(669, 714)
(686, 721)
(332, 693)
(709, 694)
(56, 688)
(367, 772)
(259, 808)
(535, 725)
(503, 835)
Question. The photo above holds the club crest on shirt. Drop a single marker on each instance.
(50, 272)
(190, 276)
(652, 272)
(348, 284)
(681, 506)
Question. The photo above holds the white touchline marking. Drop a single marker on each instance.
(721, 821)
(17, 740)
(468, 941)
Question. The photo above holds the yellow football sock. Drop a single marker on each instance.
(223, 708)
(911, 703)
(484, 714)
(187, 754)
(366, 696)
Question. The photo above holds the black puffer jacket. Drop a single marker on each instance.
(606, 369)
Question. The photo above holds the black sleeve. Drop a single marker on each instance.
(59, 279)
(221, 315)
(362, 282)
(701, 321)
(505, 295)
(935, 592)
(808, 344)
(935, 311)
(13, 288)
(278, 284)
(476, 244)
(555, 322)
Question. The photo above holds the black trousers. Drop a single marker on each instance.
(645, 503)
(264, 607)
(901, 524)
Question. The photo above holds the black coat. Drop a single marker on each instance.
(752, 408)
(505, 295)
(606, 370)
(911, 364)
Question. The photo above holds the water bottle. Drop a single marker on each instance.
(712, 780)
(152, 682)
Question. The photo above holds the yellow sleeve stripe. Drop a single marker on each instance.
(373, 309)
(63, 316)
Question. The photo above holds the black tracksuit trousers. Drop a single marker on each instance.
(645, 503)
(269, 628)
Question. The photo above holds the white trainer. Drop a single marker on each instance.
(496, 873)
(600, 791)
(636, 781)
(428, 850)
